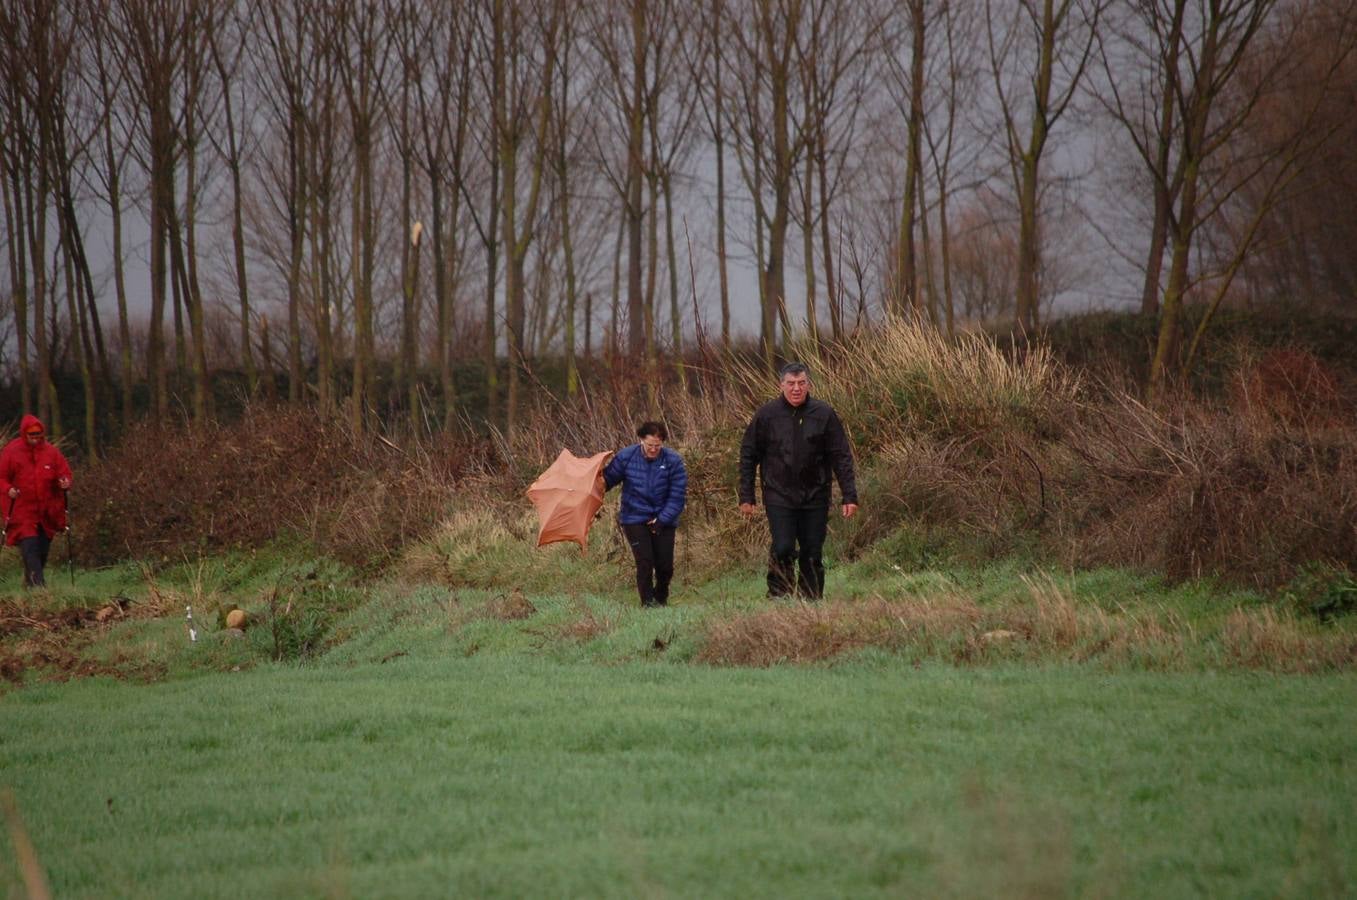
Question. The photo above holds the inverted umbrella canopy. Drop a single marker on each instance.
(567, 495)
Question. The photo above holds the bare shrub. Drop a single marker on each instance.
(1291, 385)
(167, 490)
(1189, 490)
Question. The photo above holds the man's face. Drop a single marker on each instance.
(795, 387)
(651, 445)
(34, 438)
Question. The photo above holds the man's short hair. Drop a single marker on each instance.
(646, 429)
(793, 368)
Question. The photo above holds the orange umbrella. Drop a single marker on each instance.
(567, 495)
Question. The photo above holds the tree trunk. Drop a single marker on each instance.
(675, 319)
(808, 246)
(15, 222)
(906, 294)
(638, 333)
(298, 203)
(831, 284)
(719, 136)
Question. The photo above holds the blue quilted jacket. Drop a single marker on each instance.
(651, 489)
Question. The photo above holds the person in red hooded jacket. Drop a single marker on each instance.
(34, 478)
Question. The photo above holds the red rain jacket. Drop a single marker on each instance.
(34, 471)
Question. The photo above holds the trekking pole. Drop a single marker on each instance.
(9, 512)
(66, 510)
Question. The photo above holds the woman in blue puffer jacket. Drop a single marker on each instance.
(654, 490)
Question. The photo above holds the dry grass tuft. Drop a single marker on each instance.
(908, 377)
(586, 626)
(510, 607)
(447, 555)
(1048, 624)
(1266, 639)
(1052, 620)
(811, 633)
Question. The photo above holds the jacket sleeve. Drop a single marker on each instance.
(841, 458)
(749, 459)
(63, 467)
(615, 470)
(6, 471)
(678, 494)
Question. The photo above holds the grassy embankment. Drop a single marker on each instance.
(1122, 740)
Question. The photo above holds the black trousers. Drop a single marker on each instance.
(653, 547)
(33, 550)
(795, 562)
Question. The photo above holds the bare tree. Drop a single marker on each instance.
(621, 38)
(362, 56)
(563, 116)
(288, 32)
(151, 42)
(526, 47)
(226, 44)
(956, 81)
(839, 55)
(37, 46)
(707, 67)
(106, 81)
(443, 101)
(1035, 85)
(1276, 101)
(770, 142)
(1304, 245)
(1204, 64)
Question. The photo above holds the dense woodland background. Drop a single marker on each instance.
(426, 213)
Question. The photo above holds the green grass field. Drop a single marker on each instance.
(504, 775)
(1134, 740)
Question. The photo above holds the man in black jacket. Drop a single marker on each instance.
(796, 442)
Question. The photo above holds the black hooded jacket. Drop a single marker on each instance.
(795, 449)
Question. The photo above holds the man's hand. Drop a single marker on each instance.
(64, 483)
(849, 509)
(13, 493)
(747, 510)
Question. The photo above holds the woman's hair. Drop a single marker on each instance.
(646, 429)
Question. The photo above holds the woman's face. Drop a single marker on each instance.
(651, 445)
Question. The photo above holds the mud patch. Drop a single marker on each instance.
(51, 644)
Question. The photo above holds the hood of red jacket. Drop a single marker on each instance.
(28, 423)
